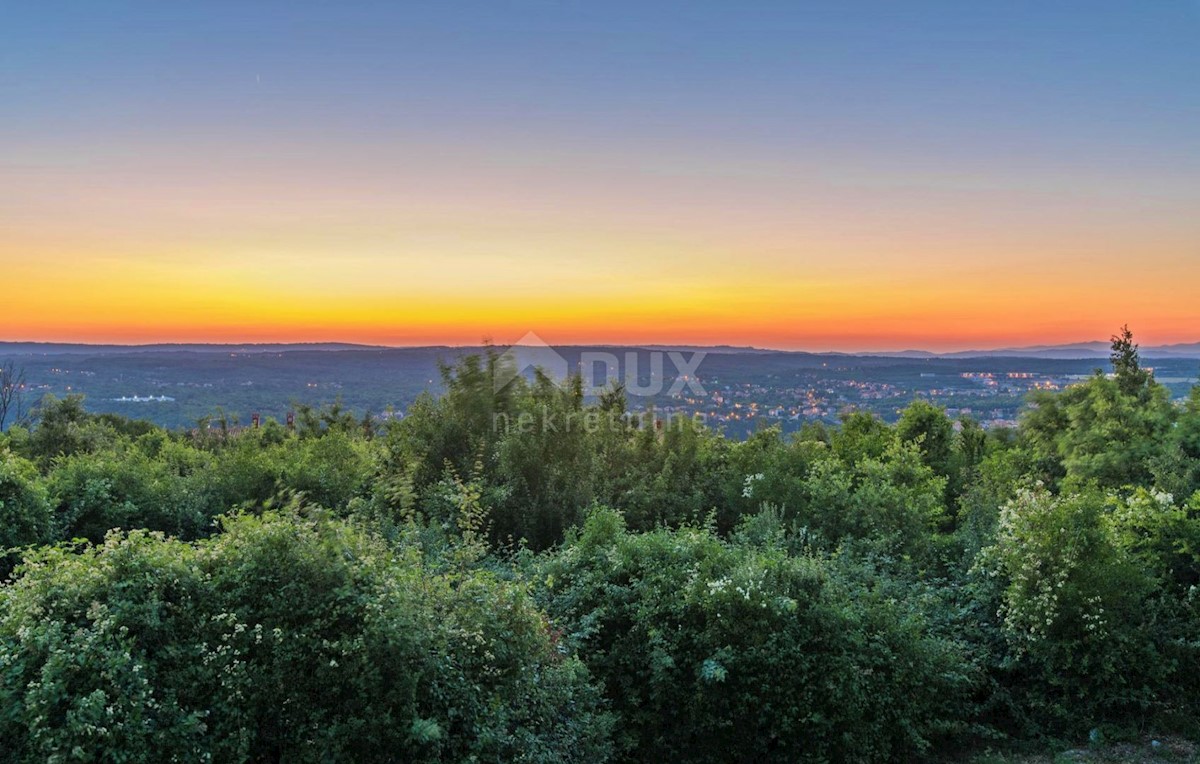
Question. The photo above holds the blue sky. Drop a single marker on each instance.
(1060, 120)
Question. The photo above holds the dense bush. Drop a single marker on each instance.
(1071, 609)
(712, 652)
(329, 471)
(127, 487)
(1095, 432)
(25, 516)
(281, 639)
(1098, 606)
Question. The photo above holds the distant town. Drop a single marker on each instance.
(989, 397)
(743, 390)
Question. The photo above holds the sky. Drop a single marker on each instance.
(804, 175)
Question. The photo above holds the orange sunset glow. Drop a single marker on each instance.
(238, 186)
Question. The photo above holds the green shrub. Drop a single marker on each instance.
(25, 516)
(712, 652)
(123, 488)
(281, 639)
(1074, 611)
(329, 470)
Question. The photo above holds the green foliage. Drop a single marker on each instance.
(1162, 535)
(992, 484)
(1110, 431)
(329, 470)
(65, 428)
(25, 515)
(1176, 469)
(862, 435)
(716, 652)
(1126, 362)
(932, 431)
(857, 593)
(285, 638)
(543, 461)
(888, 504)
(546, 456)
(125, 487)
(1095, 432)
(245, 472)
(1082, 610)
(666, 477)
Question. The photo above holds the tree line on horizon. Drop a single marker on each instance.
(452, 587)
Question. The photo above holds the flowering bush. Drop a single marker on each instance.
(1075, 607)
(281, 639)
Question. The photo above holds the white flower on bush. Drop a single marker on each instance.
(748, 485)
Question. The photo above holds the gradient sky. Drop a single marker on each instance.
(850, 175)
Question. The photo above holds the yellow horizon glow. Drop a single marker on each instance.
(142, 251)
(941, 178)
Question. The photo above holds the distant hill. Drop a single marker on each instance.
(61, 348)
(1181, 350)
(732, 349)
(1096, 349)
(1079, 350)
(1074, 351)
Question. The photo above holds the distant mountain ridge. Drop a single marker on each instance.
(56, 348)
(1079, 350)
(1095, 349)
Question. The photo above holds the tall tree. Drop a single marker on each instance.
(928, 426)
(12, 392)
(1126, 363)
